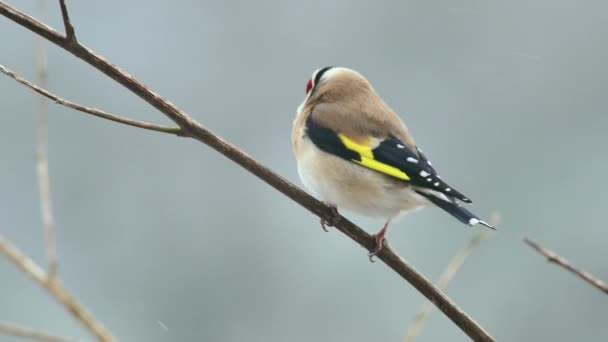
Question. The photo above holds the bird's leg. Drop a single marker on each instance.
(334, 220)
(379, 236)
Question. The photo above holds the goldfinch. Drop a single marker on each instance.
(354, 152)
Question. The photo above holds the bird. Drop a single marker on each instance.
(354, 152)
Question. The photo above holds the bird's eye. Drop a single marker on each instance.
(308, 85)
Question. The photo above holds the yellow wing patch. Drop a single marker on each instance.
(367, 157)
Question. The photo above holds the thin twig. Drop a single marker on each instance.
(42, 160)
(554, 258)
(89, 110)
(195, 130)
(56, 289)
(17, 330)
(70, 35)
(444, 280)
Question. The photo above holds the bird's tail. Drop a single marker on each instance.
(455, 209)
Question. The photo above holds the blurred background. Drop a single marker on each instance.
(166, 240)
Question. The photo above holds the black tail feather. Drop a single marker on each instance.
(455, 209)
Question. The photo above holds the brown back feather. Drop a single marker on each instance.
(347, 103)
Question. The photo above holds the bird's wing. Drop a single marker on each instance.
(386, 154)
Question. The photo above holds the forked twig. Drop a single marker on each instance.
(56, 289)
(89, 110)
(70, 34)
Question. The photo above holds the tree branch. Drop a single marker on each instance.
(56, 289)
(554, 258)
(70, 35)
(93, 111)
(13, 329)
(42, 161)
(446, 277)
(198, 132)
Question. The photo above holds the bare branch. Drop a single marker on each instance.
(195, 130)
(89, 110)
(554, 258)
(13, 329)
(56, 289)
(444, 280)
(42, 161)
(70, 35)
(446, 277)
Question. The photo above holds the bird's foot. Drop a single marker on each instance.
(379, 237)
(334, 220)
(379, 244)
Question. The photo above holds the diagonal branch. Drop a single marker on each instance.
(199, 132)
(56, 289)
(13, 329)
(442, 284)
(446, 277)
(89, 110)
(554, 258)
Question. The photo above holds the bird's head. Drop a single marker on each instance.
(336, 84)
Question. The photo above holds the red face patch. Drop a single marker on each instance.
(308, 85)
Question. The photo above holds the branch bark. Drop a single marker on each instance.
(89, 110)
(556, 259)
(195, 130)
(446, 277)
(70, 35)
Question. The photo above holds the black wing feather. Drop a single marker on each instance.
(328, 141)
(391, 151)
(395, 153)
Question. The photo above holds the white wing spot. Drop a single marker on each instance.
(429, 179)
(424, 173)
(412, 160)
(429, 162)
(448, 189)
(400, 146)
(473, 221)
(436, 184)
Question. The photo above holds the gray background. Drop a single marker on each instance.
(508, 98)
